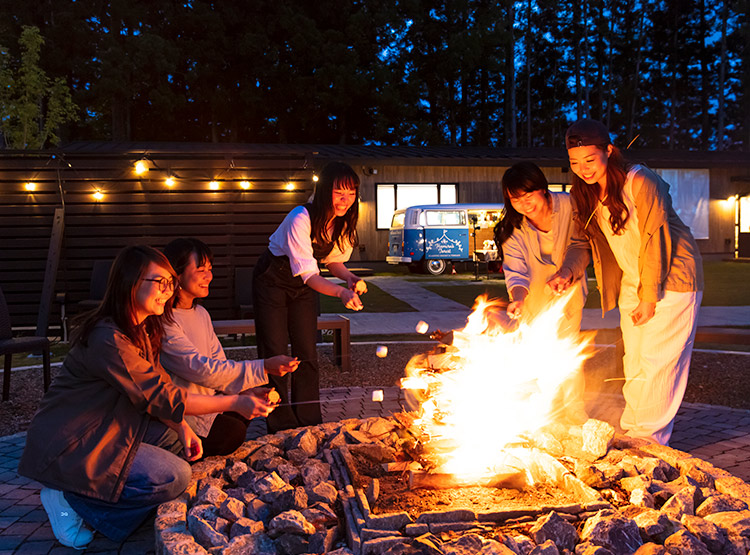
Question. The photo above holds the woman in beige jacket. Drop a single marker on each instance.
(646, 262)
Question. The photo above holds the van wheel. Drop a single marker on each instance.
(435, 267)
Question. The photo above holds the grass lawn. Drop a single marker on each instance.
(726, 284)
(375, 300)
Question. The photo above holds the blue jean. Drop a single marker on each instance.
(157, 475)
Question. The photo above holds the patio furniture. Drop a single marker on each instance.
(10, 345)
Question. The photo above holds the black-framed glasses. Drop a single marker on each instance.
(165, 284)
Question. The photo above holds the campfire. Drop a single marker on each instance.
(491, 454)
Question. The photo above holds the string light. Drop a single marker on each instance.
(98, 195)
(141, 167)
(214, 185)
(170, 181)
(30, 186)
(315, 178)
(289, 186)
(245, 184)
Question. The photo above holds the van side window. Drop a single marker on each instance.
(446, 217)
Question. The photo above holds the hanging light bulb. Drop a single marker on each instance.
(214, 185)
(30, 186)
(245, 184)
(170, 181)
(315, 178)
(141, 167)
(98, 195)
(289, 186)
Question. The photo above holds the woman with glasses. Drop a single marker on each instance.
(286, 281)
(193, 356)
(105, 439)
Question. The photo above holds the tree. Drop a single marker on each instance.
(32, 105)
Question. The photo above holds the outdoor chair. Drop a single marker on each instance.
(10, 345)
(98, 284)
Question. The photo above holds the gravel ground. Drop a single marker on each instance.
(715, 378)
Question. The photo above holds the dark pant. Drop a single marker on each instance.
(227, 433)
(157, 475)
(286, 311)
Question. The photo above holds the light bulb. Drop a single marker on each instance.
(170, 181)
(245, 184)
(315, 178)
(289, 186)
(30, 186)
(214, 185)
(141, 167)
(98, 195)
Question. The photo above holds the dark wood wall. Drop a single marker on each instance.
(136, 209)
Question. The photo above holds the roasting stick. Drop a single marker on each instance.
(377, 397)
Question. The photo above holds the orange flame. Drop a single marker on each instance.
(493, 386)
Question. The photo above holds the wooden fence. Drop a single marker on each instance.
(231, 201)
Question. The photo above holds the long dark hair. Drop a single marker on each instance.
(586, 196)
(519, 179)
(119, 299)
(178, 253)
(335, 175)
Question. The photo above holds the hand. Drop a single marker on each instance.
(560, 282)
(357, 285)
(515, 310)
(190, 441)
(280, 365)
(251, 405)
(350, 299)
(268, 393)
(442, 336)
(643, 313)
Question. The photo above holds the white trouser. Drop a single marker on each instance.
(656, 362)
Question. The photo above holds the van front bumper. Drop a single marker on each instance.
(398, 259)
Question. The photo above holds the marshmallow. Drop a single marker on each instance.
(382, 351)
(377, 396)
(422, 327)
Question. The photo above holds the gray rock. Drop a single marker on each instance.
(232, 509)
(306, 441)
(597, 437)
(204, 511)
(657, 469)
(389, 521)
(358, 437)
(289, 473)
(258, 509)
(291, 499)
(268, 451)
(681, 503)
(713, 537)
(341, 551)
(289, 522)
(546, 548)
(735, 523)
(318, 517)
(454, 515)
(651, 549)
(241, 494)
(237, 469)
(685, 542)
(392, 545)
(211, 495)
(697, 470)
(720, 503)
(469, 544)
(376, 452)
(378, 427)
(524, 544)
(205, 534)
(245, 526)
(291, 544)
(493, 547)
(591, 475)
(642, 498)
(323, 491)
(612, 530)
(553, 527)
(427, 544)
(372, 492)
(257, 544)
(315, 471)
(653, 526)
(635, 482)
(587, 548)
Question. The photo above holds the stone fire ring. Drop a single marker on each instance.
(294, 492)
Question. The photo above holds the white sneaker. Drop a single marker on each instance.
(66, 524)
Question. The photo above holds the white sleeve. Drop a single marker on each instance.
(180, 357)
(297, 244)
(337, 255)
(515, 268)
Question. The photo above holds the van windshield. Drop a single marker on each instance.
(398, 219)
(446, 217)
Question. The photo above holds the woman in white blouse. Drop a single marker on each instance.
(286, 281)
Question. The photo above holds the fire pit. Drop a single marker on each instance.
(486, 459)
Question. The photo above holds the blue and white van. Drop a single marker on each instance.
(427, 237)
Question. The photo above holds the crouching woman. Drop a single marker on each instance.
(105, 440)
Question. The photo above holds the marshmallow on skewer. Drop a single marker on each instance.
(377, 396)
(382, 351)
(422, 327)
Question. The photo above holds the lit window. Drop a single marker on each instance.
(390, 197)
